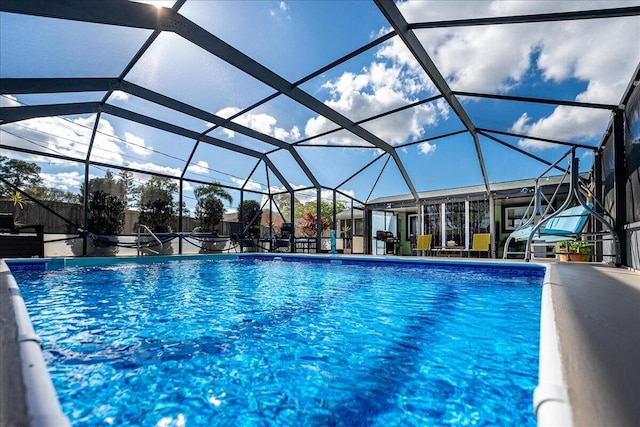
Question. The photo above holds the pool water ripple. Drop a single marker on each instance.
(287, 343)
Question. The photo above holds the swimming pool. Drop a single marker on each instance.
(253, 341)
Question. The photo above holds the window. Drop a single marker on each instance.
(412, 229)
(513, 217)
(432, 222)
(480, 216)
(455, 222)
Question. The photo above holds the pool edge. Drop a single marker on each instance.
(42, 404)
(551, 403)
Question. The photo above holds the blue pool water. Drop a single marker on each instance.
(256, 343)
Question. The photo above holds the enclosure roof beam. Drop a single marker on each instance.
(57, 85)
(119, 167)
(537, 100)
(536, 138)
(174, 104)
(16, 114)
(187, 133)
(519, 150)
(139, 15)
(618, 12)
(396, 19)
(165, 101)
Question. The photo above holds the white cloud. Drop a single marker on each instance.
(71, 137)
(283, 10)
(380, 87)
(152, 167)
(118, 95)
(201, 168)
(263, 123)
(587, 155)
(564, 124)
(106, 147)
(8, 101)
(250, 184)
(66, 181)
(225, 113)
(496, 59)
(137, 144)
(186, 186)
(426, 148)
(67, 137)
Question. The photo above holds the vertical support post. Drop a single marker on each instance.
(292, 242)
(318, 220)
(598, 194)
(180, 213)
(443, 224)
(241, 214)
(333, 221)
(467, 227)
(492, 225)
(85, 196)
(271, 220)
(353, 228)
(85, 207)
(620, 179)
(366, 222)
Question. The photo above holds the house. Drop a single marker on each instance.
(456, 214)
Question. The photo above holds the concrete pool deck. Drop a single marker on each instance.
(597, 311)
(597, 318)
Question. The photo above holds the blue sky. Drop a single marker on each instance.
(589, 61)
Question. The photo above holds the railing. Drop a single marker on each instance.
(146, 246)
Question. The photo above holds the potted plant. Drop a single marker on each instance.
(578, 250)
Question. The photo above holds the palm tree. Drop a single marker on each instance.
(213, 189)
(209, 209)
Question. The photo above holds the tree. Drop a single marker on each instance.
(308, 224)
(26, 176)
(209, 211)
(213, 189)
(19, 173)
(209, 208)
(55, 195)
(157, 208)
(106, 203)
(251, 209)
(108, 184)
(283, 201)
(126, 178)
(105, 213)
(326, 211)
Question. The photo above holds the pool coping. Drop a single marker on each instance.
(42, 404)
(551, 404)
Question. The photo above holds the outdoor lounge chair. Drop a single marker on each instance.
(423, 244)
(284, 241)
(481, 243)
(240, 240)
(565, 226)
